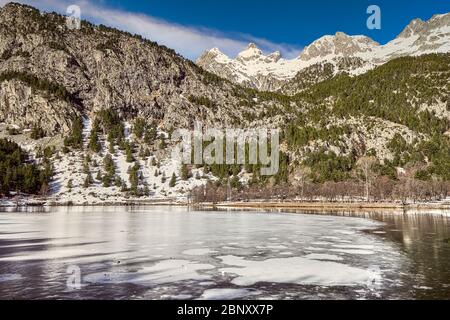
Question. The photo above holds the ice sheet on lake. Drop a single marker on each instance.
(198, 252)
(10, 277)
(319, 256)
(296, 270)
(227, 294)
(354, 251)
(168, 271)
(162, 246)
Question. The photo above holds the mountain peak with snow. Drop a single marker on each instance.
(419, 27)
(354, 54)
(251, 46)
(414, 27)
(340, 44)
(250, 53)
(275, 56)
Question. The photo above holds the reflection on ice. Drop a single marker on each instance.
(9, 277)
(163, 272)
(198, 252)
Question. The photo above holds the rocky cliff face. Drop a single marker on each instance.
(98, 67)
(352, 54)
(24, 107)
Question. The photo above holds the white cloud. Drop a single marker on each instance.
(189, 41)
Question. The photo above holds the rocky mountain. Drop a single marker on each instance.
(93, 108)
(51, 74)
(76, 93)
(342, 53)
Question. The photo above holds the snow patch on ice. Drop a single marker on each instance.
(227, 294)
(296, 270)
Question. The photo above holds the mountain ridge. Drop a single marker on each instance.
(99, 67)
(264, 73)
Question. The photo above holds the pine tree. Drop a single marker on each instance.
(163, 144)
(150, 136)
(134, 178)
(69, 185)
(37, 133)
(185, 173)
(173, 180)
(87, 181)
(94, 144)
(106, 181)
(129, 153)
(111, 148)
(86, 169)
(139, 128)
(124, 187)
(146, 190)
(142, 153)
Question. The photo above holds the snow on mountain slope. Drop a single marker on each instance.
(251, 67)
(418, 38)
(69, 167)
(352, 54)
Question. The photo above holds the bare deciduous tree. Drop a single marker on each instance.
(366, 166)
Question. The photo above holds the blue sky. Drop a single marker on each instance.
(190, 27)
(290, 21)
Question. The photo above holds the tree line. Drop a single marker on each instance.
(18, 173)
(382, 190)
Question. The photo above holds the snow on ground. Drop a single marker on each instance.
(70, 167)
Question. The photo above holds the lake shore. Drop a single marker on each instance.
(263, 205)
(350, 206)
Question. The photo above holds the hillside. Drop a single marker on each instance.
(70, 73)
(96, 108)
(406, 99)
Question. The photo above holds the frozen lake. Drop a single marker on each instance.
(174, 253)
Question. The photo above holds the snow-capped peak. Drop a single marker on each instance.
(419, 27)
(215, 50)
(251, 52)
(340, 44)
(213, 56)
(412, 28)
(353, 54)
(274, 57)
(419, 37)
